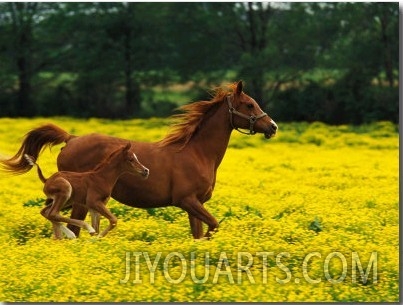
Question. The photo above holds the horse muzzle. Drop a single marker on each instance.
(145, 173)
(272, 130)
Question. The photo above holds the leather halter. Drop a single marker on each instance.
(252, 118)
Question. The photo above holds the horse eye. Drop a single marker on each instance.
(250, 106)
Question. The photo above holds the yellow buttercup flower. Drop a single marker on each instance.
(311, 215)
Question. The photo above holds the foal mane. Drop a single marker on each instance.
(107, 159)
(187, 122)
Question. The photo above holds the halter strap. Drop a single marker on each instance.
(252, 119)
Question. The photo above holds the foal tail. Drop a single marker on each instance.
(31, 162)
(34, 142)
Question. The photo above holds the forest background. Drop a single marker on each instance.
(330, 62)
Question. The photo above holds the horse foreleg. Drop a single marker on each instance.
(59, 228)
(197, 210)
(99, 207)
(95, 219)
(56, 230)
(196, 226)
(78, 212)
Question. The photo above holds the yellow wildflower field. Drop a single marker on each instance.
(310, 215)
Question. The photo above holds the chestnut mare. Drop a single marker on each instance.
(182, 166)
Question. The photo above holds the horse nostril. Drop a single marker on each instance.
(274, 127)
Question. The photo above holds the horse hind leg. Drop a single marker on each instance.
(59, 228)
(52, 212)
(57, 233)
(69, 234)
(75, 222)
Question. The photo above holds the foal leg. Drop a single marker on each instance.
(95, 219)
(78, 212)
(58, 228)
(102, 209)
(69, 234)
(60, 190)
(79, 223)
(197, 210)
(51, 213)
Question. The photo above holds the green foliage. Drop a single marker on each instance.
(316, 225)
(342, 103)
(27, 231)
(111, 59)
(38, 202)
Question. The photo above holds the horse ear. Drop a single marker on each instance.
(239, 87)
(128, 145)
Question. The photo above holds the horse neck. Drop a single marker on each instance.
(212, 137)
(110, 171)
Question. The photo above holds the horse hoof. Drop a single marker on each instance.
(91, 230)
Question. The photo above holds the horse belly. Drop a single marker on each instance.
(141, 193)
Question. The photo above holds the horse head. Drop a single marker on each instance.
(245, 113)
(133, 162)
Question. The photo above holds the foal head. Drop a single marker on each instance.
(127, 162)
(245, 113)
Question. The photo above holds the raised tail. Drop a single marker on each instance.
(33, 144)
(31, 162)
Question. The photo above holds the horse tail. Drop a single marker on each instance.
(34, 142)
(31, 162)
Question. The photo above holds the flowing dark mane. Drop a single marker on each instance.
(187, 122)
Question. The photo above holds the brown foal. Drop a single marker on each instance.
(91, 189)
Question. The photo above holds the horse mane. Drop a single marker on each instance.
(186, 123)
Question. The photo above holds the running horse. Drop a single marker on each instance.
(183, 165)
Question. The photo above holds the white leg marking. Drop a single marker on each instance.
(69, 234)
(89, 228)
(95, 219)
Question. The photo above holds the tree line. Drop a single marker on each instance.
(332, 62)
